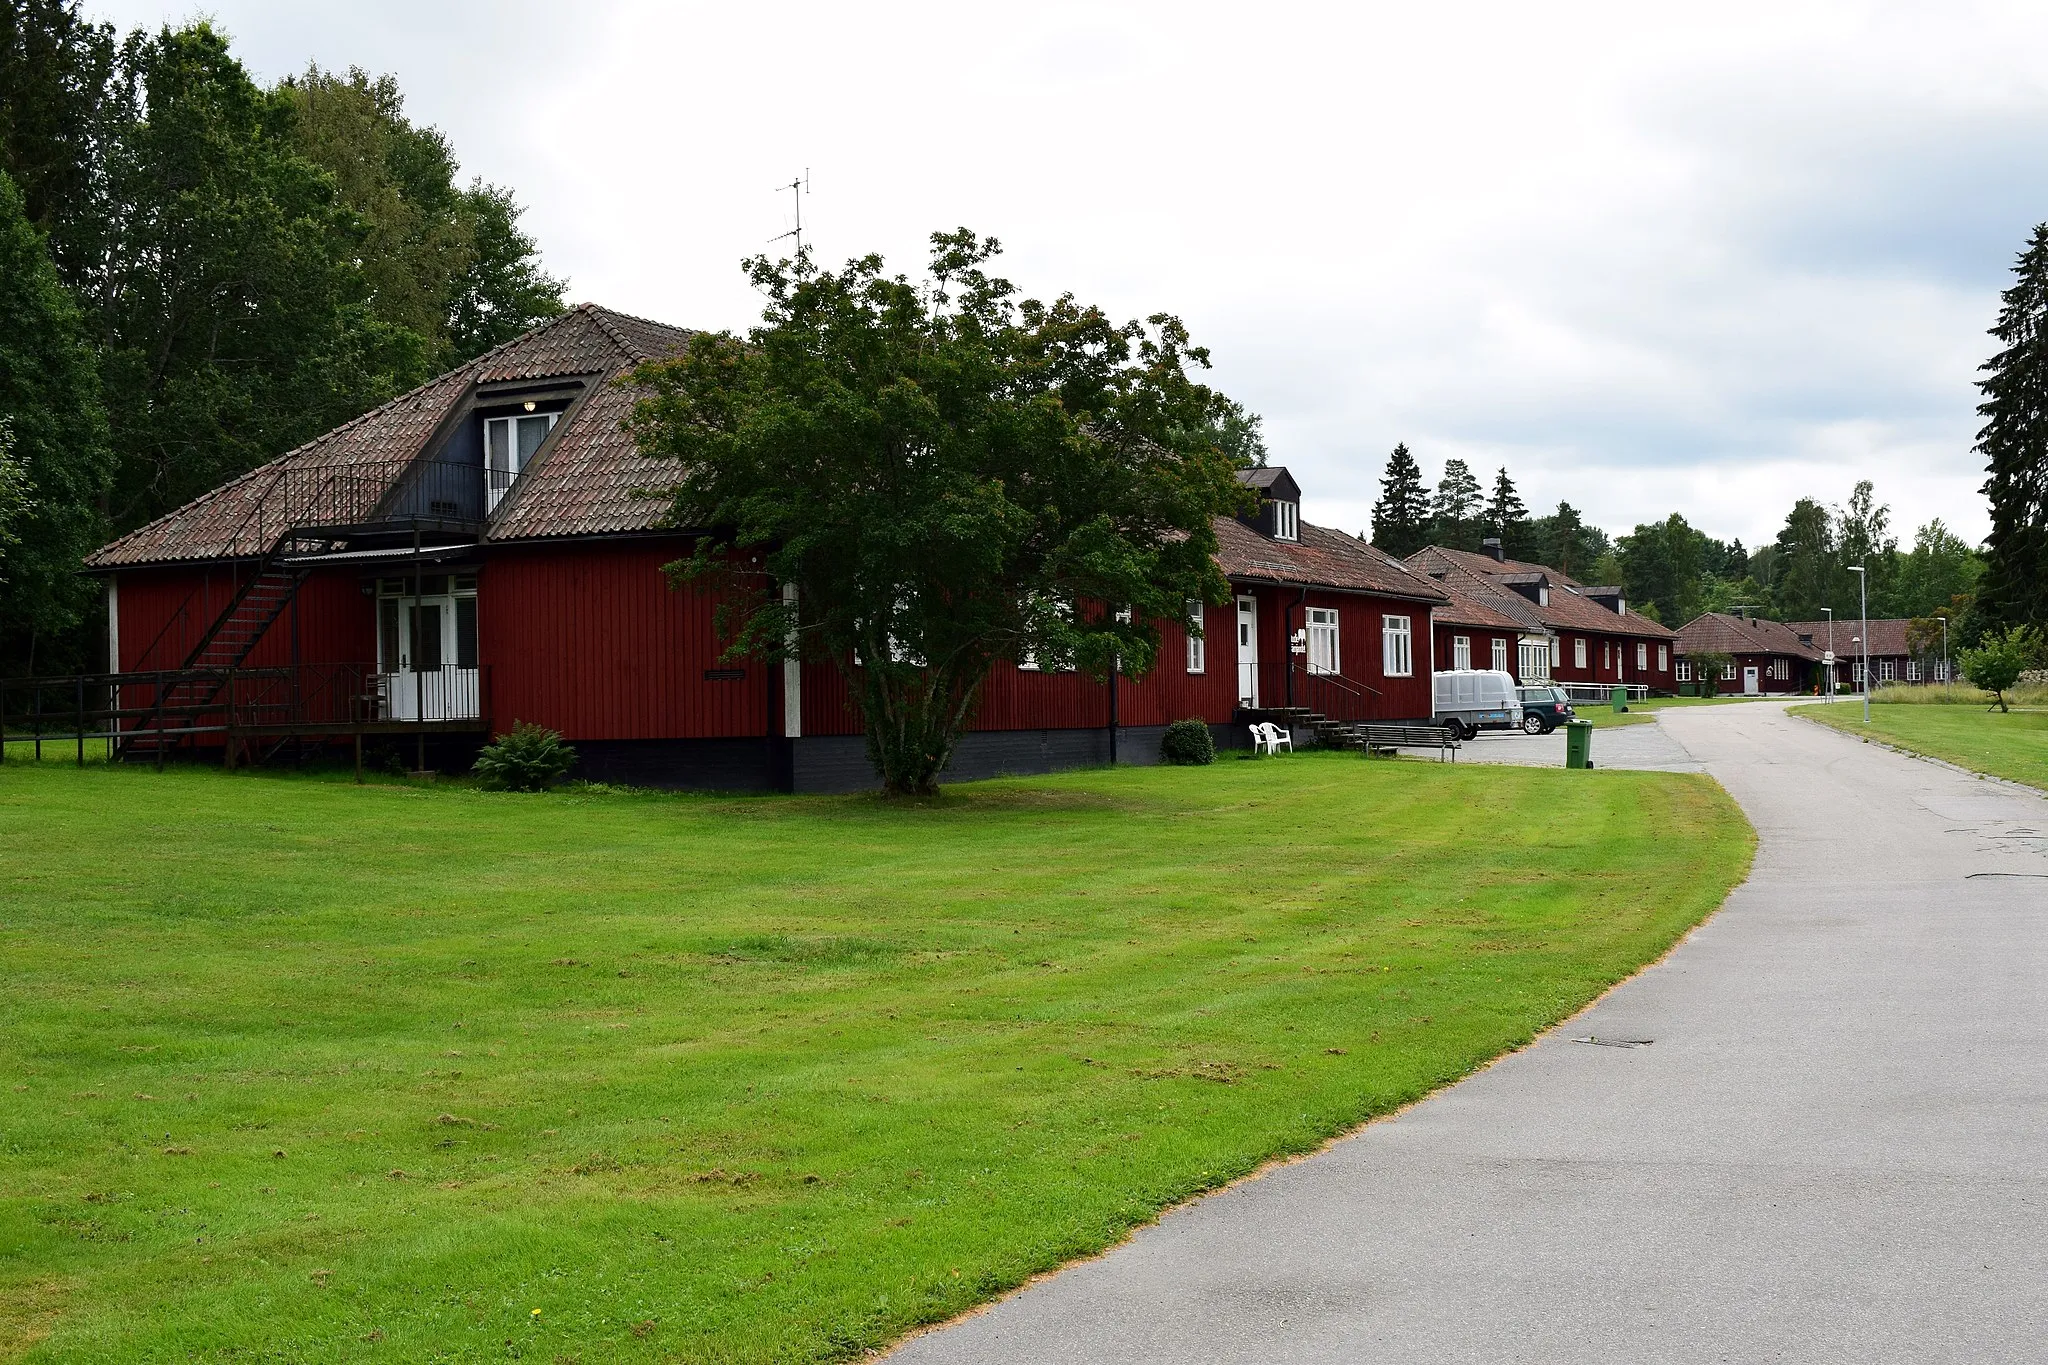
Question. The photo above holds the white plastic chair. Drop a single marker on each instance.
(1268, 737)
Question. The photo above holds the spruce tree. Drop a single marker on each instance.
(1455, 511)
(1400, 519)
(2014, 444)
(1508, 519)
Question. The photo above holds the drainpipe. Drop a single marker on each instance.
(1287, 638)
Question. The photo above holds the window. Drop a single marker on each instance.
(1642, 655)
(1536, 658)
(1941, 671)
(1286, 521)
(1684, 671)
(1578, 651)
(1500, 654)
(1397, 647)
(1887, 670)
(509, 443)
(1781, 669)
(1461, 651)
(1856, 672)
(1606, 654)
(1198, 647)
(1912, 670)
(1322, 640)
(1663, 657)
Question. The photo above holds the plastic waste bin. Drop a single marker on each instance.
(1618, 698)
(1578, 744)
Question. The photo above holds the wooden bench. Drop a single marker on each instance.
(1384, 739)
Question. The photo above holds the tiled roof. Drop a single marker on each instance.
(1719, 633)
(1887, 636)
(580, 485)
(1477, 602)
(1569, 608)
(1321, 558)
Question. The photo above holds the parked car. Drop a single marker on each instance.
(1544, 708)
(1469, 700)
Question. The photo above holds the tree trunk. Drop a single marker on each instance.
(914, 719)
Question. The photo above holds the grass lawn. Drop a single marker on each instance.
(2012, 745)
(1606, 718)
(302, 1071)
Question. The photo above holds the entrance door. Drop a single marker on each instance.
(1248, 651)
(427, 654)
(1749, 680)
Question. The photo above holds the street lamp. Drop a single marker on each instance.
(1944, 651)
(1831, 653)
(1863, 598)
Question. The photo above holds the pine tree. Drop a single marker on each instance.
(1508, 519)
(2014, 443)
(1455, 511)
(1400, 519)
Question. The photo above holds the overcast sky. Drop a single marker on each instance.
(1706, 262)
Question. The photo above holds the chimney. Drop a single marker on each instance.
(1491, 545)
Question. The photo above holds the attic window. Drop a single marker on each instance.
(509, 443)
(1543, 594)
(1286, 520)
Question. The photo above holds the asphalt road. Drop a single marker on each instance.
(1836, 1148)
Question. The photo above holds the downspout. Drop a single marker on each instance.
(1287, 639)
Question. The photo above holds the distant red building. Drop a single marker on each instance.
(481, 551)
(1767, 656)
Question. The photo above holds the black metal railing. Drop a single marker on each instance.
(1273, 685)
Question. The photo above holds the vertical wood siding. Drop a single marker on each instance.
(591, 640)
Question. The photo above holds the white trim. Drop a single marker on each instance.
(1578, 651)
(1642, 655)
(1198, 645)
(792, 676)
(114, 625)
(1286, 520)
(1397, 646)
(1663, 657)
(1500, 655)
(1246, 626)
(1461, 652)
(1324, 655)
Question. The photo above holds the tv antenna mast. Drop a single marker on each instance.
(797, 188)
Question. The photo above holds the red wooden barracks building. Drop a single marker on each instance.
(481, 551)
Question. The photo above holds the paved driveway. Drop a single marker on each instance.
(1621, 746)
(1836, 1149)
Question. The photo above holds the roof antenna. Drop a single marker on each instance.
(797, 188)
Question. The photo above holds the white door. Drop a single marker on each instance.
(420, 646)
(1248, 651)
(1749, 680)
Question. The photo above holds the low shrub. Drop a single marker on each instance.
(526, 758)
(1188, 742)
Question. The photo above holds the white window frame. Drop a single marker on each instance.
(1500, 655)
(1324, 656)
(515, 464)
(1887, 670)
(1397, 646)
(1663, 658)
(1642, 656)
(1461, 651)
(1286, 520)
(1912, 670)
(1579, 655)
(1198, 644)
(1683, 672)
(1536, 658)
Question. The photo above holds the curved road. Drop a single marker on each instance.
(1836, 1148)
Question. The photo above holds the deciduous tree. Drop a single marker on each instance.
(947, 477)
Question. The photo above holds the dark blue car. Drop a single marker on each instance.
(1544, 709)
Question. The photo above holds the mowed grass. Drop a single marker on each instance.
(2005, 744)
(301, 1071)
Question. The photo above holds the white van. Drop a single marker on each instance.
(1469, 700)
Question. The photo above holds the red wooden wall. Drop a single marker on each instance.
(1612, 658)
(590, 639)
(1482, 638)
(163, 613)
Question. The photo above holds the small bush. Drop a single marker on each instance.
(527, 758)
(1188, 742)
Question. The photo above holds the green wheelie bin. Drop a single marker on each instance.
(1578, 744)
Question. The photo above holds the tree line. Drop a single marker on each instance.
(198, 272)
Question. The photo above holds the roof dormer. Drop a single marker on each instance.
(1279, 514)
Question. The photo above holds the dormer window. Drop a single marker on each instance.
(509, 443)
(1286, 520)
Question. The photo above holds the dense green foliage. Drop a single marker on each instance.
(2014, 444)
(58, 461)
(1188, 743)
(526, 758)
(318, 1072)
(1996, 664)
(250, 267)
(1400, 519)
(946, 477)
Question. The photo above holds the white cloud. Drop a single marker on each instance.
(1709, 261)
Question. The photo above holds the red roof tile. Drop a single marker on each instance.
(1321, 558)
(1569, 607)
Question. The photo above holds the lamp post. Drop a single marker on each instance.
(1831, 653)
(1944, 651)
(1863, 600)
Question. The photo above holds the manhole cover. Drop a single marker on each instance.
(1615, 1042)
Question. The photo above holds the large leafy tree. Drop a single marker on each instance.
(448, 264)
(2014, 444)
(60, 463)
(1400, 519)
(59, 108)
(1940, 568)
(1807, 564)
(1662, 565)
(1863, 536)
(947, 477)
